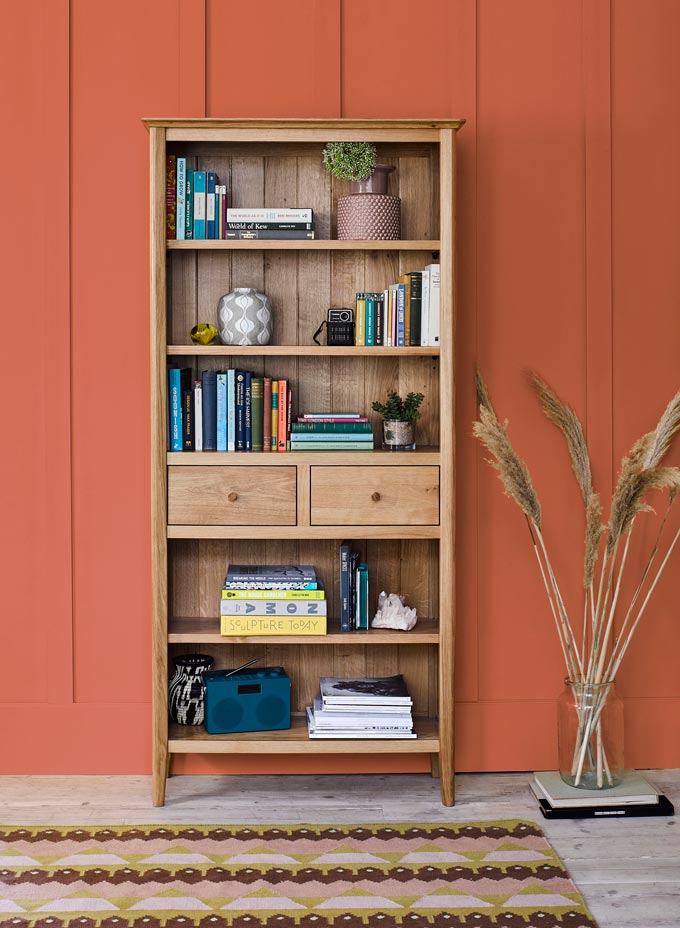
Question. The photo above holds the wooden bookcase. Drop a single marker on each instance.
(408, 549)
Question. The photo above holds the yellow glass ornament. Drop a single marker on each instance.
(204, 333)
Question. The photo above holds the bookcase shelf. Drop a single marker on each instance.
(199, 630)
(214, 508)
(184, 739)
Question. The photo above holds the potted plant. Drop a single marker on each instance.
(593, 644)
(399, 420)
(369, 212)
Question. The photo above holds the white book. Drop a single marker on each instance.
(434, 327)
(425, 309)
(290, 214)
(354, 735)
(198, 416)
(366, 691)
(386, 309)
(633, 789)
(285, 607)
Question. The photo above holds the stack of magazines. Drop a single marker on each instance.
(365, 707)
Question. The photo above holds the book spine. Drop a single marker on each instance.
(270, 234)
(353, 561)
(209, 379)
(323, 427)
(283, 414)
(180, 223)
(401, 319)
(269, 226)
(329, 420)
(394, 294)
(435, 303)
(360, 314)
(231, 410)
(290, 214)
(331, 446)
(344, 587)
(416, 289)
(380, 321)
(221, 412)
(289, 417)
(251, 626)
(199, 206)
(273, 594)
(175, 403)
(369, 337)
(248, 411)
(425, 308)
(405, 282)
(189, 207)
(223, 210)
(272, 607)
(275, 415)
(210, 181)
(257, 407)
(362, 572)
(171, 196)
(187, 410)
(198, 416)
(240, 444)
(267, 415)
(331, 436)
(268, 585)
(315, 416)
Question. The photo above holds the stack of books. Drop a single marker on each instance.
(406, 313)
(353, 590)
(228, 411)
(331, 431)
(196, 208)
(634, 796)
(367, 707)
(272, 600)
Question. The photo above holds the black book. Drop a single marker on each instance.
(353, 592)
(270, 233)
(209, 381)
(240, 404)
(628, 810)
(247, 412)
(379, 320)
(269, 226)
(187, 393)
(416, 302)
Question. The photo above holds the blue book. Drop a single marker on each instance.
(362, 592)
(221, 412)
(210, 225)
(181, 198)
(247, 414)
(175, 407)
(344, 587)
(189, 206)
(199, 206)
(209, 379)
(370, 320)
(332, 436)
(401, 310)
(231, 410)
(240, 411)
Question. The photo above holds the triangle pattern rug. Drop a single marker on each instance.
(483, 874)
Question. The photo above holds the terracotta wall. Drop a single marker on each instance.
(568, 244)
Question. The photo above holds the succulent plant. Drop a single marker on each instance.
(350, 160)
(397, 408)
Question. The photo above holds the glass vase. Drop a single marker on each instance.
(398, 435)
(590, 735)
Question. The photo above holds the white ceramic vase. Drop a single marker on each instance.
(244, 317)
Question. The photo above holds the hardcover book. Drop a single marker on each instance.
(298, 573)
(274, 594)
(231, 410)
(365, 691)
(257, 406)
(252, 626)
(416, 279)
(209, 379)
(180, 222)
(210, 181)
(198, 416)
(294, 234)
(199, 205)
(189, 206)
(175, 409)
(633, 788)
(266, 214)
(663, 806)
(278, 607)
(267, 416)
(248, 411)
(221, 412)
(171, 196)
(240, 428)
(275, 415)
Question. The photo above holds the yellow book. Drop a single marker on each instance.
(406, 280)
(360, 321)
(274, 594)
(254, 625)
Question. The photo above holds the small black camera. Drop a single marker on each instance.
(339, 327)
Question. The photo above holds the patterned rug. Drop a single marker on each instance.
(300, 876)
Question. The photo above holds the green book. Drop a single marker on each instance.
(332, 446)
(362, 575)
(257, 412)
(416, 303)
(320, 428)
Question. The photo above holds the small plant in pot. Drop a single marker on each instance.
(369, 212)
(399, 420)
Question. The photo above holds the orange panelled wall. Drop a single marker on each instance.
(568, 235)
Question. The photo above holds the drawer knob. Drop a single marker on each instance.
(375, 497)
(232, 497)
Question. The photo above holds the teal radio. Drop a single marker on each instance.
(246, 700)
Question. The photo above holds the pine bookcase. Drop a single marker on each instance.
(409, 549)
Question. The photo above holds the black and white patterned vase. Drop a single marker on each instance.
(244, 317)
(186, 691)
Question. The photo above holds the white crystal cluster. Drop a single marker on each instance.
(392, 613)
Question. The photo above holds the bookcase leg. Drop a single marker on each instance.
(434, 765)
(161, 763)
(446, 779)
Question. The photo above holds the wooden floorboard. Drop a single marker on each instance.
(627, 869)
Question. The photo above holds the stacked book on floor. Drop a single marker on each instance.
(406, 313)
(331, 431)
(272, 600)
(633, 796)
(361, 708)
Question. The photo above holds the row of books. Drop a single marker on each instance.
(228, 411)
(272, 600)
(353, 590)
(331, 431)
(361, 708)
(196, 207)
(406, 313)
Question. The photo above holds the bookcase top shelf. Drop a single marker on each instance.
(376, 458)
(303, 351)
(401, 124)
(317, 244)
(201, 630)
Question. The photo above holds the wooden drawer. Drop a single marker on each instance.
(375, 495)
(232, 495)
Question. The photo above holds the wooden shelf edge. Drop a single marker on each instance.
(304, 351)
(375, 458)
(195, 630)
(306, 532)
(317, 244)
